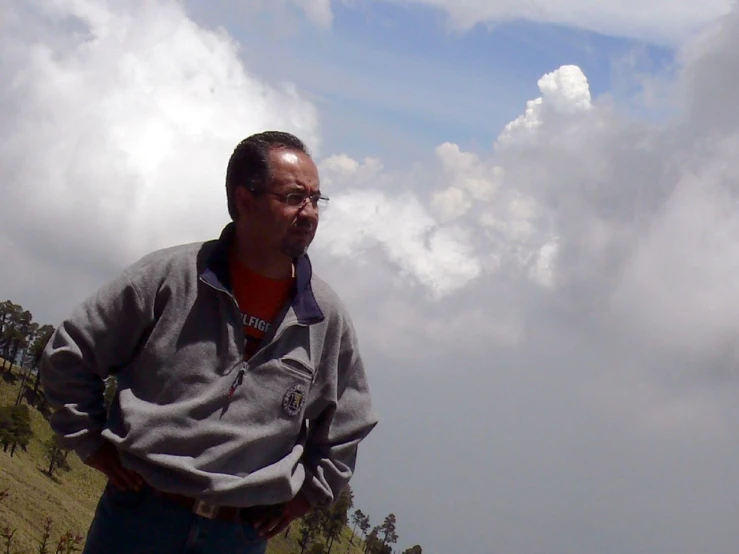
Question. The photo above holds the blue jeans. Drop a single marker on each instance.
(144, 523)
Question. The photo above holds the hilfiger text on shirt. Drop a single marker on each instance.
(254, 322)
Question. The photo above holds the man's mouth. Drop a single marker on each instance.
(302, 235)
(302, 230)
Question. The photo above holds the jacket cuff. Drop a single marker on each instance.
(316, 492)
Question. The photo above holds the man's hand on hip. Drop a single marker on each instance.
(272, 525)
(106, 460)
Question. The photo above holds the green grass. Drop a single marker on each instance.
(70, 497)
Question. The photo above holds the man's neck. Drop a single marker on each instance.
(264, 263)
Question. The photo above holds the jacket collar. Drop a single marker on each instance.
(217, 274)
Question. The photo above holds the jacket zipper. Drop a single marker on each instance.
(237, 382)
(242, 370)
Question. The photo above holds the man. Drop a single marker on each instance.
(241, 395)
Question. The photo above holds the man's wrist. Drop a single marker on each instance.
(89, 447)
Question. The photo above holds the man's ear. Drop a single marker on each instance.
(244, 200)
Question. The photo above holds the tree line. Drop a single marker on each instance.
(320, 528)
(22, 343)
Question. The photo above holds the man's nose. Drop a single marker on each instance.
(309, 210)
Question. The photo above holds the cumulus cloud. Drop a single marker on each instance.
(466, 173)
(478, 222)
(614, 214)
(343, 171)
(600, 324)
(565, 91)
(437, 257)
(117, 120)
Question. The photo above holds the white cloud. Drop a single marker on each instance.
(680, 276)
(661, 21)
(625, 227)
(318, 11)
(465, 171)
(117, 121)
(340, 169)
(451, 203)
(563, 92)
(479, 221)
(469, 179)
(438, 257)
(340, 164)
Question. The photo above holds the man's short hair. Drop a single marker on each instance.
(249, 163)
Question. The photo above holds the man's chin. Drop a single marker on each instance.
(295, 249)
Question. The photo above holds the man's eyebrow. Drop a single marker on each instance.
(302, 187)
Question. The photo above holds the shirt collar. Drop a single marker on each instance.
(303, 301)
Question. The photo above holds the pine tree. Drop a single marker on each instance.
(389, 536)
(357, 518)
(33, 330)
(56, 455)
(16, 326)
(310, 528)
(15, 427)
(372, 542)
(364, 525)
(36, 352)
(336, 517)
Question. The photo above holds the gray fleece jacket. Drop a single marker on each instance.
(171, 332)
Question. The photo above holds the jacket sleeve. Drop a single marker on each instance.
(100, 336)
(331, 450)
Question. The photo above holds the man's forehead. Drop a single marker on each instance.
(290, 164)
(289, 156)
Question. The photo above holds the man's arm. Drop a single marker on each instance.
(101, 335)
(334, 436)
(331, 451)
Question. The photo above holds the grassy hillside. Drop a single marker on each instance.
(70, 497)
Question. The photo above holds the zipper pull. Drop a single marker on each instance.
(239, 379)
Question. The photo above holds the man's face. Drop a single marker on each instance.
(283, 228)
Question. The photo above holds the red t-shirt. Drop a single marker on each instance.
(260, 300)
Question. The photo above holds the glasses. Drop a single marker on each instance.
(299, 199)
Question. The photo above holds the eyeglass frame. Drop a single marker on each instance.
(314, 198)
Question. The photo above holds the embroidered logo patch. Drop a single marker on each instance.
(293, 400)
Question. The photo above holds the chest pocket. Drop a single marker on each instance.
(299, 368)
(296, 396)
(278, 389)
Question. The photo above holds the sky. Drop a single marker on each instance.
(533, 222)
